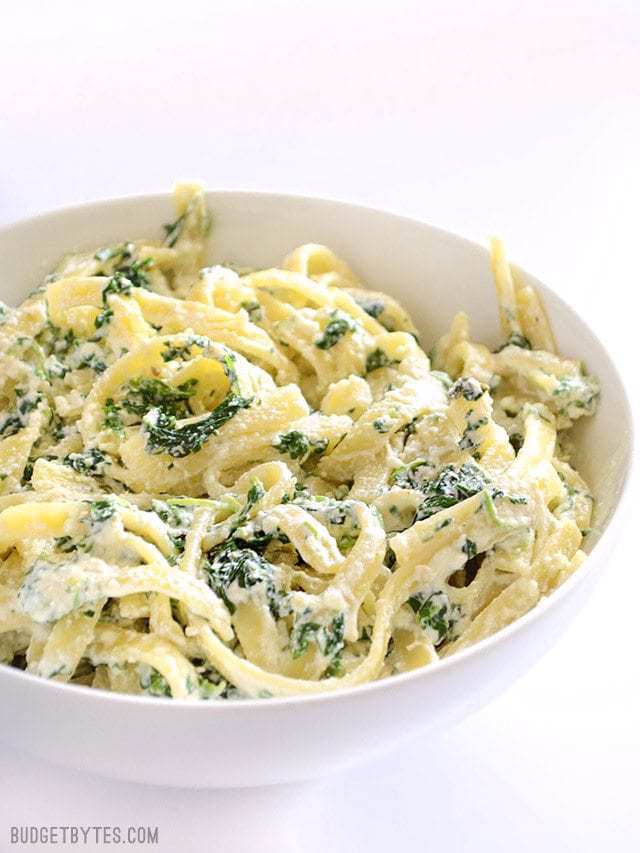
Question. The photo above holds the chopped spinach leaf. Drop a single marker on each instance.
(329, 638)
(469, 440)
(382, 425)
(112, 419)
(183, 353)
(516, 340)
(373, 307)
(300, 446)
(120, 284)
(229, 564)
(436, 614)
(468, 388)
(336, 328)
(164, 436)
(136, 273)
(411, 476)
(377, 359)
(154, 683)
(65, 544)
(450, 487)
(91, 462)
(92, 362)
(470, 548)
(123, 252)
(175, 230)
(145, 394)
(102, 510)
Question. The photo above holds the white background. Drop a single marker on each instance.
(520, 118)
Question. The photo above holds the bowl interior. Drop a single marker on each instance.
(432, 272)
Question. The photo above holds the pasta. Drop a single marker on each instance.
(221, 483)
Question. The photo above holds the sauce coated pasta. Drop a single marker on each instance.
(221, 483)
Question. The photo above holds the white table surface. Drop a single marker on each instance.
(520, 118)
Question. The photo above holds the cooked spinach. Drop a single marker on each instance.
(146, 393)
(411, 476)
(112, 419)
(92, 362)
(299, 446)
(164, 436)
(377, 359)
(382, 425)
(175, 230)
(26, 402)
(469, 440)
(92, 462)
(328, 638)
(119, 283)
(122, 252)
(338, 326)
(516, 340)
(154, 683)
(373, 307)
(468, 388)
(255, 493)
(436, 614)
(470, 548)
(228, 564)
(102, 510)
(577, 394)
(450, 487)
(65, 544)
(183, 353)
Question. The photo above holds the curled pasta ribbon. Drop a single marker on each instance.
(214, 366)
(87, 581)
(372, 431)
(116, 647)
(217, 373)
(351, 584)
(51, 591)
(504, 609)
(315, 261)
(255, 681)
(35, 521)
(67, 643)
(77, 302)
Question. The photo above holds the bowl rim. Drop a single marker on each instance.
(265, 704)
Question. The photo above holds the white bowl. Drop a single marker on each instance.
(242, 743)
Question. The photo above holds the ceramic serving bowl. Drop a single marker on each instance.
(246, 742)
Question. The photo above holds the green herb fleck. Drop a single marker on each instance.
(164, 436)
(377, 359)
(436, 614)
(91, 462)
(470, 548)
(449, 488)
(112, 419)
(299, 446)
(468, 388)
(516, 340)
(146, 394)
(336, 328)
